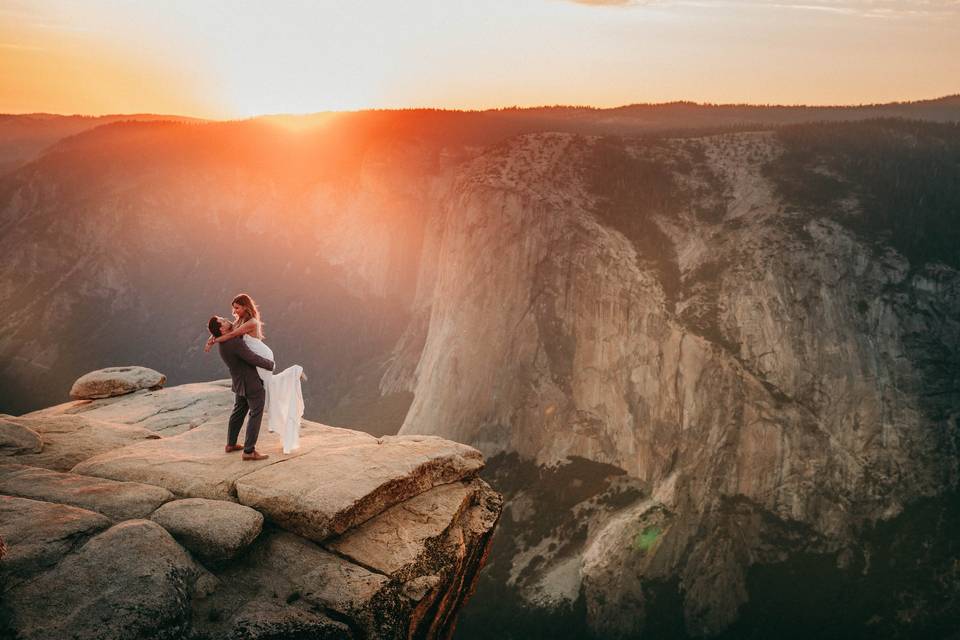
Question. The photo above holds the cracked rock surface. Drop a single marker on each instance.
(151, 533)
(116, 500)
(70, 438)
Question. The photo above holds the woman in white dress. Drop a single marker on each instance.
(284, 403)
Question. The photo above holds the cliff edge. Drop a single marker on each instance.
(123, 517)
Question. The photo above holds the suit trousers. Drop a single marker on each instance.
(254, 404)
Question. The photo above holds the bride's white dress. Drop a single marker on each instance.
(284, 405)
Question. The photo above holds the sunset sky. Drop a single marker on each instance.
(229, 59)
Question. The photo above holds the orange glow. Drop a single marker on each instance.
(224, 59)
(54, 68)
(299, 124)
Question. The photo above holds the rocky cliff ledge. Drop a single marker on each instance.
(124, 518)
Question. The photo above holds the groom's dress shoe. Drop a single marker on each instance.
(232, 447)
(256, 455)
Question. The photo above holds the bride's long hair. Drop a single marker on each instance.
(250, 309)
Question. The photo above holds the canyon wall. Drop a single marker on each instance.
(774, 382)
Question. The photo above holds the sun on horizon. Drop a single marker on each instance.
(224, 60)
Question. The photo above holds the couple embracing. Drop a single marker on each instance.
(257, 388)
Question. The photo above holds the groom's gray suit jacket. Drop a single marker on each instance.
(242, 362)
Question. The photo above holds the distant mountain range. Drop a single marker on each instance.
(23, 137)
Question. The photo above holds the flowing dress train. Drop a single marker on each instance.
(284, 405)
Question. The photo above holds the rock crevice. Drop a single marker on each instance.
(134, 533)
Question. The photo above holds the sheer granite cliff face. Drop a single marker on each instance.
(142, 534)
(774, 382)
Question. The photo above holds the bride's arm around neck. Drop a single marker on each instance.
(251, 327)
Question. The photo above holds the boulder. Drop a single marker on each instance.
(329, 490)
(166, 411)
(116, 500)
(399, 536)
(16, 439)
(69, 439)
(283, 575)
(272, 621)
(131, 581)
(339, 585)
(194, 465)
(212, 529)
(286, 571)
(316, 575)
(39, 533)
(115, 381)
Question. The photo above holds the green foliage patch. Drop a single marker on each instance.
(645, 540)
(904, 174)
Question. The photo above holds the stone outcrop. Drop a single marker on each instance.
(385, 544)
(132, 580)
(212, 529)
(168, 536)
(115, 381)
(38, 534)
(311, 496)
(269, 620)
(70, 438)
(16, 439)
(172, 411)
(116, 500)
(192, 464)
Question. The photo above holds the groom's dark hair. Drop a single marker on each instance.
(214, 326)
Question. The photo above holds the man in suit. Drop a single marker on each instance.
(248, 387)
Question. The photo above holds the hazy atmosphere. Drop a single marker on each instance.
(486, 320)
(219, 59)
